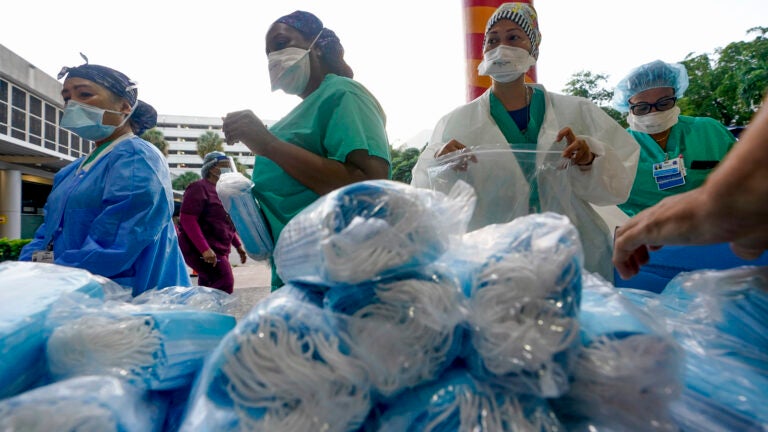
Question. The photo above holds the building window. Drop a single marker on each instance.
(4, 91)
(64, 143)
(19, 98)
(3, 107)
(35, 106)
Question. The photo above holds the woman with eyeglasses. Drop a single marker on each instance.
(677, 152)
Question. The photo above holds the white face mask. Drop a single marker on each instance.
(655, 122)
(505, 63)
(289, 68)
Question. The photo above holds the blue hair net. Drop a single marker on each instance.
(144, 116)
(650, 75)
(210, 160)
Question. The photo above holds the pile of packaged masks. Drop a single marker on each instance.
(234, 191)
(156, 344)
(28, 292)
(341, 348)
(720, 319)
(432, 328)
(629, 369)
(77, 354)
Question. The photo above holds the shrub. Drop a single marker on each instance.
(10, 249)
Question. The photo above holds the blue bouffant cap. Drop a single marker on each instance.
(655, 74)
(210, 160)
(144, 116)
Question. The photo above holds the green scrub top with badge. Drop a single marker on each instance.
(339, 117)
(701, 141)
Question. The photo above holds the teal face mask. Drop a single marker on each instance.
(86, 121)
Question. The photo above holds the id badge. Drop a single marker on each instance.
(670, 173)
(43, 256)
(667, 168)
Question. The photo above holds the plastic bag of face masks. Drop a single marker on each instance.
(159, 347)
(719, 319)
(28, 291)
(407, 330)
(234, 191)
(523, 283)
(628, 371)
(287, 366)
(458, 402)
(195, 297)
(371, 229)
(84, 404)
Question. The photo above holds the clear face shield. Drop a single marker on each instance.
(226, 165)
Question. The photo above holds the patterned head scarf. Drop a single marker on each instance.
(328, 43)
(143, 117)
(522, 14)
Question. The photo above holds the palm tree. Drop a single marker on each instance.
(208, 142)
(156, 137)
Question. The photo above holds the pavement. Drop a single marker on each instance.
(252, 283)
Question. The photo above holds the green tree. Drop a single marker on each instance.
(156, 137)
(592, 86)
(729, 84)
(208, 142)
(181, 182)
(403, 162)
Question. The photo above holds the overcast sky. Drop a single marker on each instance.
(206, 58)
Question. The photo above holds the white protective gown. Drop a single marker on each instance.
(502, 188)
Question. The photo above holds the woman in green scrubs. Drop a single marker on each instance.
(336, 136)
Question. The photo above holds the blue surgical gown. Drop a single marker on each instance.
(114, 218)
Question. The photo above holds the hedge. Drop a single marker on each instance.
(10, 249)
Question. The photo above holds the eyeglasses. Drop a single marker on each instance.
(644, 108)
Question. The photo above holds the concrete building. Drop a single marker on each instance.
(182, 133)
(32, 145)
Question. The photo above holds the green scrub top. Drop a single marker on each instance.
(339, 117)
(523, 140)
(702, 141)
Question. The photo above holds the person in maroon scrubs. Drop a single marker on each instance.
(206, 233)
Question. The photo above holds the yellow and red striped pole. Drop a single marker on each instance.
(476, 15)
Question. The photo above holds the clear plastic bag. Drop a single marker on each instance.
(153, 346)
(84, 404)
(234, 191)
(28, 292)
(523, 283)
(286, 366)
(368, 230)
(629, 370)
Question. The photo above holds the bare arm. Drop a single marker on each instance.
(731, 206)
(317, 173)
